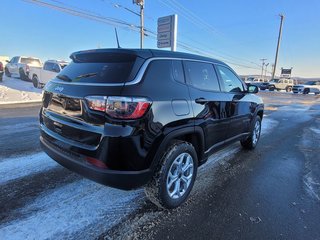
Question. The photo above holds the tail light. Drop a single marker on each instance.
(120, 107)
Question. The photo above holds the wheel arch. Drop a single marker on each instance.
(193, 135)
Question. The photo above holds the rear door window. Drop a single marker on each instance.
(202, 76)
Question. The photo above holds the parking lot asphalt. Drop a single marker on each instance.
(269, 193)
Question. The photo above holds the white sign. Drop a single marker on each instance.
(167, 32)
(164, 20)
(164, 28)
(164, 36)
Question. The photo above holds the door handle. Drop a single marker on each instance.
(201, 100)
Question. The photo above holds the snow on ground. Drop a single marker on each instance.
(82, 206)
(65, 210)
(18, 167)
(72, 208)
(267, 125)
(13, 90)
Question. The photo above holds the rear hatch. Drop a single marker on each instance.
(90, 74)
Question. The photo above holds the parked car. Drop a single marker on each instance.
(40, 76)
(1, 71)
(308, 87)
(3, 62)
(281, 84)
(20, 66)
(264, 86)
(127, 118)
(255, 81)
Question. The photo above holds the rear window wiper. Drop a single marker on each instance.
(86, 75)
(64, 78)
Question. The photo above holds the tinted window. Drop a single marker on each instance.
(31, 61)
(48, 66)
(55, 68)
(202, 75)
(100, 68)
(14, 60)
(161, 70)
(177, 71)
(230, 81)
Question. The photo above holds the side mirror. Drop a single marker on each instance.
(253, 89)
(7, 61)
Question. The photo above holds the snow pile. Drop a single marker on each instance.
(14, 90)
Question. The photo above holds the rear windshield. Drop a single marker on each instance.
(31, 61)
(100, 68)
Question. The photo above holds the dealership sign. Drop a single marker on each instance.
(167, 32)
(286, 72)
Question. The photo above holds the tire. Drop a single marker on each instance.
(22, 75)
(306, 91)
(288, 89)
(174, 179)
(35, 82)
(272, 88)
(252, 141)
(7, 73)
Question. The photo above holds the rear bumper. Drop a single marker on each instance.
(125, 180)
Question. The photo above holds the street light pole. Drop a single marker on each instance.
(278, 46)
(141, 4)
(263, 62)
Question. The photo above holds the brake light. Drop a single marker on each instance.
(1, 67)
(120, 107)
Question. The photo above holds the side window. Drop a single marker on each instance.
(55, 68)
(177, 71)
(202, 76)
(230, 81)
(48, 66)
(14, 60)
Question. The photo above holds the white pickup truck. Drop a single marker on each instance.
(20, 67)
(51, 68)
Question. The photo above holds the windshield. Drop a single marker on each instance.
(31, 61)
(275, 80)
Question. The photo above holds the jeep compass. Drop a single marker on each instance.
(128, 118)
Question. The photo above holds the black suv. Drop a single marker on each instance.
(129, 117)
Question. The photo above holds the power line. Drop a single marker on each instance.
(106, 20)
(116, 22)
(197, 21)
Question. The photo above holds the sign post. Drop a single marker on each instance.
(167, 32)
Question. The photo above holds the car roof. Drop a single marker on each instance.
(58, 61)
(149, 53)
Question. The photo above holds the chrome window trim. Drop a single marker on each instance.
(139, 75)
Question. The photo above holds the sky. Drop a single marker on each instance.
(239, 33)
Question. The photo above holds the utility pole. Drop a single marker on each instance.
(265, 70)
(263, 62)
(141, 4)
(278, 46)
